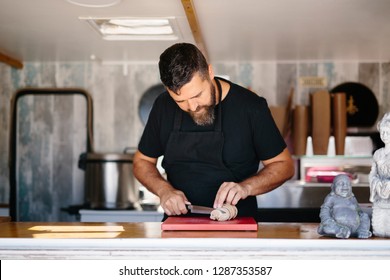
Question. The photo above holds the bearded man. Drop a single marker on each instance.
(213, 136)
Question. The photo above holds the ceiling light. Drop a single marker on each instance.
(140, 22)
(94, 3)
(135, 28)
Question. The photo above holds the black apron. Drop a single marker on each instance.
(194, 163)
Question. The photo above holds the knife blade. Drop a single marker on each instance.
(196, 209)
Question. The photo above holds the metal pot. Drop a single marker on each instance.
(109, 180)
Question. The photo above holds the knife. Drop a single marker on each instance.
(196, 209)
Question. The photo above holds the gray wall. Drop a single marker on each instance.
(51, 130)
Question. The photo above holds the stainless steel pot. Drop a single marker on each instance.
(109, 180)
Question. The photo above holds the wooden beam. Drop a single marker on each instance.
(10, 61)
(189, 8)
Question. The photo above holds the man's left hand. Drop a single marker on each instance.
(230, 193)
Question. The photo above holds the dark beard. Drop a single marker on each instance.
(208, 117)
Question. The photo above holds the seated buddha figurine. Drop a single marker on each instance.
(341, 215)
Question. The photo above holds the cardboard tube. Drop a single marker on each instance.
(320, 105)
(339, 105)
(300, 129)
(279, 115)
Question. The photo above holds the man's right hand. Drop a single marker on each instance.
(174, 202)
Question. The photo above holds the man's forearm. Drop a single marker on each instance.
(268, 178)
(172, 201)
(149, 176)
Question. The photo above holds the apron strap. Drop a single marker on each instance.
(219, 124)
(178, 117)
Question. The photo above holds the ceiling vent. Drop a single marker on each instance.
(141, 29)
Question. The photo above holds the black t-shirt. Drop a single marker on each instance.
(250, 132)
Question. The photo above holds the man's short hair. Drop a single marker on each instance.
(179, 63)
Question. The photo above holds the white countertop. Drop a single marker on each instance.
(215, 248)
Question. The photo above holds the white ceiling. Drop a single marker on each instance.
(233, 30)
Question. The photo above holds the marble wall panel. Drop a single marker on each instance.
(257, 76)
(384, 97)
(45, 156)
(302, 94)
(369, 76)
(286, 74)
(138, 81)
(103, 94)
(339, 72)
(264, 81)
(5, 96)
(226, 69)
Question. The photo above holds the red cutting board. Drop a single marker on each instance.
(205, 223)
